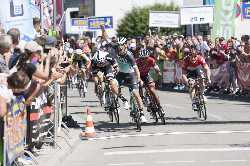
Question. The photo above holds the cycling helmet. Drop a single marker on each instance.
(100, 56)
(121, 40)
(78, 51)
(144, 53)
(71, 51)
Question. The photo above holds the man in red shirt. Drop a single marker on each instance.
(193, 67)
(145, 63)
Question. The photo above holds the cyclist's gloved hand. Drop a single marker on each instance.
(140, 83)
(208, 81)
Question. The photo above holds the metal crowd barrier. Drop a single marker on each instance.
(41, 124)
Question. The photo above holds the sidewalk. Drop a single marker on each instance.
(50, 156)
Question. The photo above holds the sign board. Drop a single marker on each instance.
(15, 129)
(246, 10)
(164, 19)
(16, 14)
(224, 19)
(197, 15)
(169, 72)
(95, 22)
(79, 24)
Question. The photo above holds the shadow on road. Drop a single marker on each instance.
(181, 118)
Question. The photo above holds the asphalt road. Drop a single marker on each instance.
(223, 139)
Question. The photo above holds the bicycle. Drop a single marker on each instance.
(199, 99)
(150, 102)
(111, 103)
(99, 92)
(81, 85)
(135, 112)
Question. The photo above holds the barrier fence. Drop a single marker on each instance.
(25, 127)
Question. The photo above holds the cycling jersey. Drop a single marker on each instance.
(197, 64)
(106, 68)
(81, 60)
(126, 63)
(145, 64)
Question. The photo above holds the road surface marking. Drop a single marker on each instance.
(176, 151)
(173, 162)
(124, 164)
(226, 161)
(169, 133)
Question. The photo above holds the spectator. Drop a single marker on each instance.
(202, 46)
(5, 48)
(37, 27)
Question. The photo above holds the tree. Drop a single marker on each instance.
(135, 23)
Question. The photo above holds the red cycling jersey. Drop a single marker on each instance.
(145, 64)
(197, 64)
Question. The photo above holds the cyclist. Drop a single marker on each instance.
(103, 63)
(145, 63)
(128, 71)
(193, 67)
(82, 61)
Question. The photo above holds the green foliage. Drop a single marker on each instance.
(135, 23)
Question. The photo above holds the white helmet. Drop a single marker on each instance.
(121, 40)
(78, 51)
(144, 53)
(100, 56)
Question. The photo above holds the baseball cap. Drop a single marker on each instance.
(32, 46)
(50, 42)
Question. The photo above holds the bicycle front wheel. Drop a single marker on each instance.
(116, 115)
(202, 110)
(138, 120)
(162, 115)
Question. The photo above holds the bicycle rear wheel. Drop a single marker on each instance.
(153, 113)
(162, 116)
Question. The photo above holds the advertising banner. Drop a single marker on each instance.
(197, 15)
(164, 19)
(169, 72)
(243, 75)
(79, 25)
(15, 129)
(16, 13)
(95, 22)
(224, 23)
(246, 10)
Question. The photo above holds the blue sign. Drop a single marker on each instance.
(209, 2)
(246, 10)
(95, 22)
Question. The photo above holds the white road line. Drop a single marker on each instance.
(175, 151)
(173, 162)
(123, 164)
(170, 133)
(227, 161)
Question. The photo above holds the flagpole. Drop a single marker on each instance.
(54, 14)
